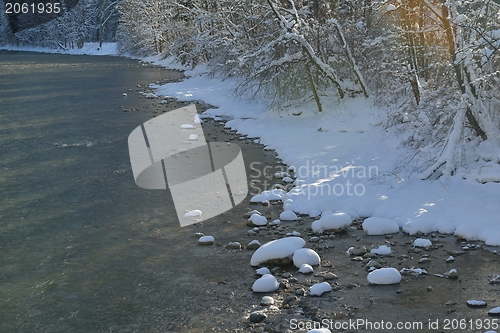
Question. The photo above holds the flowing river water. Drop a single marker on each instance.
(83, 249)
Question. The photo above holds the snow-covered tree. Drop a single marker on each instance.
(451, 59)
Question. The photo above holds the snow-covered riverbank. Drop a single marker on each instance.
(344, 160)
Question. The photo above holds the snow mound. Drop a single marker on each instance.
(351, 213)
(493, 240)
(495, 311)
(305, 256)
(258, 219)
(306, 269)
(476, 303)
(263, 271)
(380, 226)
(381, 250)
(320, 288)
(384, 276)
(490, 173)
(276, 194)
(331, 221)
(418, 225)
(288, 215)
(422, 242)
(187, 126)
(267, 283)
(277, 249)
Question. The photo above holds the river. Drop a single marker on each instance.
(83, 249)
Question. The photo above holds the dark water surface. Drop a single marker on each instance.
(82, 248)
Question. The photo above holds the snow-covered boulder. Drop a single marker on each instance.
(277, 249)
(257, 219)
(319, 289)
(306, 269)
(331, 221)
(380, 226)
(262, 271)
(305, 256)
(381, 250)
(422, 242)
(384, 276)
(267, 283)
(288, 215)
(351, 213)
(495, 312)
(206, 240)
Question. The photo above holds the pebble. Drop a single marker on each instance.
(373, 263)
(267, 300)
(257, 317)
(233, 246)
(476, 303)
(329, 276)
(253, 245)
(358, 251)
(300, 291)
(251, 233)
(452, 274)
(206, 240)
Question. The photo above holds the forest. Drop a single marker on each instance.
(434, 66)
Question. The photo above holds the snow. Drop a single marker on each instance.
(476, 303)
(288, 215)
(258, 219)
(276, 194)
(419, 271)
(206, 239)
(381, 250)
(380, 226)
(345, 165)
(384, 276)
(319, 289)
(306, 269)
(422, 242)
(277, 249)
(332, 221)
(495, 311)
(305, 256)
(262, 271)
(267, 283)
(461, 19)
(391, 7)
